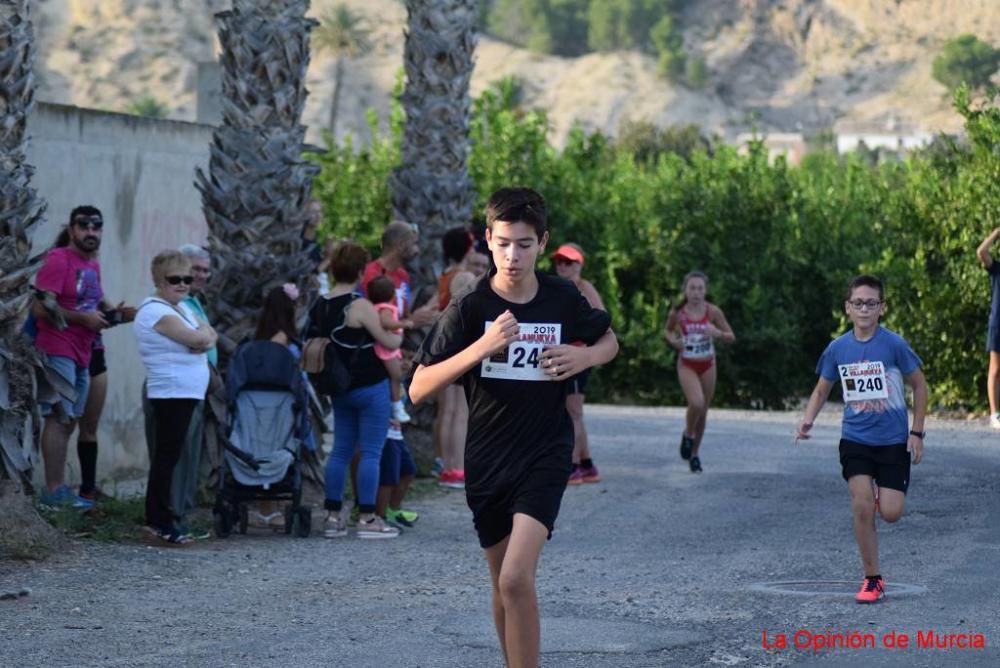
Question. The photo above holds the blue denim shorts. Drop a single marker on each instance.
(78, 377)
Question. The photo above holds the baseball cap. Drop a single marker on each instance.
(568, 252)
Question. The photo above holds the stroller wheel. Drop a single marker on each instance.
(303, 520)
(221, 524)
(244, 518)
(290, 518)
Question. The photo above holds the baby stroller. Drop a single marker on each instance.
(263, 438)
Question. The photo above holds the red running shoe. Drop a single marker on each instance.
(872, 590)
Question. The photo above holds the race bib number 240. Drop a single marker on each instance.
(862, 381)
(522, 360)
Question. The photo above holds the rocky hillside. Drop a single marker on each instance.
(790, 64)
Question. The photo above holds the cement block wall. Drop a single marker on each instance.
(140, 173)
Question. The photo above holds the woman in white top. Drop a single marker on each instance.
(172, 343)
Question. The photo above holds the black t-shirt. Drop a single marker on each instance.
(365, 367)
(516, 415)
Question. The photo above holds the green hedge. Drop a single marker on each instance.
(779, 244)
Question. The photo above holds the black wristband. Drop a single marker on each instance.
(921, 434)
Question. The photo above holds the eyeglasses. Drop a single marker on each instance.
(860, 304)
(177, 280)
(91, 222)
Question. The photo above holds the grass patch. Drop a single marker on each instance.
(112, 521)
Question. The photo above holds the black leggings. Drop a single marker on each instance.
(172, 419)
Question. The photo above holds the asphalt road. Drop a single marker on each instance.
(654, 566)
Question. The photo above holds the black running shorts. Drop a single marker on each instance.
(98, 364)
(889, 465)
(578, 383)
(536, 493)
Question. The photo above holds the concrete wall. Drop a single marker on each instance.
(140, 173)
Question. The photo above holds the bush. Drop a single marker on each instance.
(965, 59)
(779, 243)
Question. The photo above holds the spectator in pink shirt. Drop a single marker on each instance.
(73, 275)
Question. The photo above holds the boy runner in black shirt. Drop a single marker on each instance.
(508, 341)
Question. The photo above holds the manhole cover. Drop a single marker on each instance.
(572, 634)
(831, 588)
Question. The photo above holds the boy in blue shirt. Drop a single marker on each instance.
(877, 444)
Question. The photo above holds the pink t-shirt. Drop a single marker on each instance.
(76, 281)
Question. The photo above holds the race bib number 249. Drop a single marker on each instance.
(522, 360)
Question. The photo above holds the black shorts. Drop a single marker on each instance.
(889, 465)
(578, 383)
(536, 493)
(98, 364)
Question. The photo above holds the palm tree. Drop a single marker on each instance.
(20, 211)
(255, 194)
(432, 188)
(344, 35)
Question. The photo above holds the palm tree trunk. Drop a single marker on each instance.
(255, 194)
(432, 187)
(20, 211)
(338, 80)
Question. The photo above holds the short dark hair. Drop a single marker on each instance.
(517, 205)
(456, 243)
(277, 315)
(868, 281)
(85, 210)
(381, 289)
(395, 233)
(347, 260)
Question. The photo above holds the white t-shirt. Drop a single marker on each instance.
(173, 371)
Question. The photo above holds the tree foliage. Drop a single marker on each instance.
(965, 59)
(779, 243)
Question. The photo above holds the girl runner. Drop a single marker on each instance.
(692, 329)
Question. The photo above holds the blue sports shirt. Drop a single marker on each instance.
(875, 421)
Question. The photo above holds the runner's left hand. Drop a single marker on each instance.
(915, 446)
(564, 361)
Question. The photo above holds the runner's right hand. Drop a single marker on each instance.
(802, 433)
(500, 334)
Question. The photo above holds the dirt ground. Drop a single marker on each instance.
(654, 566)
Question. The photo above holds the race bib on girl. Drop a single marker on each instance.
(522, 360)
(863, 381)
(698, 346)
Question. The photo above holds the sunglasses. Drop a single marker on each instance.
(91, 222)
(563, 262)
(177, 280)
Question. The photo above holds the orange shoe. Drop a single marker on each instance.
(576, 477)
(872, 590)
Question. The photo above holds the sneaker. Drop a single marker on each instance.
(437, 466)
(408, 515)
(376, 528)
(95, 495)
(452, 479)
(872, 590)
(166, 537)
(591, 474)
(687, 444)
(396, 519)
(333, 526)
(695, 465)
(194, 533)
(399, 413)
(995, 420)
(64, 498)
(576, 477)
